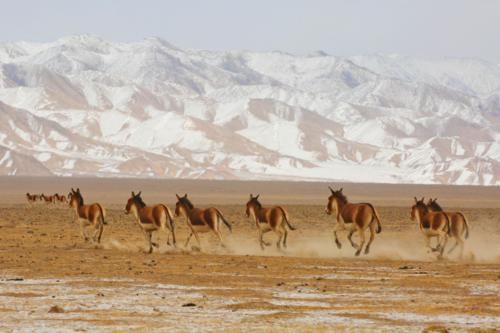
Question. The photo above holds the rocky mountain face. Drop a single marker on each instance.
(86, 106)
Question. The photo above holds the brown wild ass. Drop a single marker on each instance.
(267, 219)
(48, 199)
(353, 217)
(151, 218)
(32, 198)
(431, 224)
(200, 220)
(459, 227)
(88, 215)
(58, 198)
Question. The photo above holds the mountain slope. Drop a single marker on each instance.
(82, 105)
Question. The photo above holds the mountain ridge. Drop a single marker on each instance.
(151, 109)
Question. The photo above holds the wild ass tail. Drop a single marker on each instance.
(228, 225)
(102, 214)
(466, 225)
(375, 215)
(285, 214)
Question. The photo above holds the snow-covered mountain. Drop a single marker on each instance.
(86, 106)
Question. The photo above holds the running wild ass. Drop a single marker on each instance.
(431, 224)
(459, 227)
(200, 220)
(353, 217)
(151, 218)
(267, 219)
(88, 216)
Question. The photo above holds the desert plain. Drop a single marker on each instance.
(53, 281)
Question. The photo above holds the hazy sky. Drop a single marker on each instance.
(345, 27)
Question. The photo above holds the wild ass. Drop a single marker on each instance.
(200, 220)
(48, 199)
(459, 227)
(151, 219)
(88, 215)
(431, 224)
(267, 219)
(32, 198)
(58, 198)
(353, 217)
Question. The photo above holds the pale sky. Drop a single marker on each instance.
(433, 28)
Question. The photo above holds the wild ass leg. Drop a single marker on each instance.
(428, 243)
(97, 230)
(335, 229)
(171, 232)
(188, 239)
(216, 229)
(148, 235)
(157, 243)
(453, 247)
(372, 235)
(349, 237)
(101, 228)
(280, 233)
(362, 235)
(284, 238)
(82, 230)
(441, 250)
(261, 238)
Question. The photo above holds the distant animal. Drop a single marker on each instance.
(58, 198)
(48, 199)
(267, 219)
(89, 216)
(32, 198)
(459, 227)
(353, 217)
(431, 224)
(151, 218)
(200, 220)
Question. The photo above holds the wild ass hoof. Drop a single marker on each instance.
(155, 244)
(339, 245)
(358, 252)
(367, 250)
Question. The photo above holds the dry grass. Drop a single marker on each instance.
(311, 286)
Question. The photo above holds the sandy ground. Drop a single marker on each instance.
(311, 286)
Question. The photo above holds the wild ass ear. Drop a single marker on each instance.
(422, 199)
(178, 197)
(331, 189)
(435, 199)
(251, 197)
(415, 199)
(139, 194)
(78, 190)
(341, 189)
(185, 195)
(133, 194)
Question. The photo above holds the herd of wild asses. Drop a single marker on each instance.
(349, 217)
